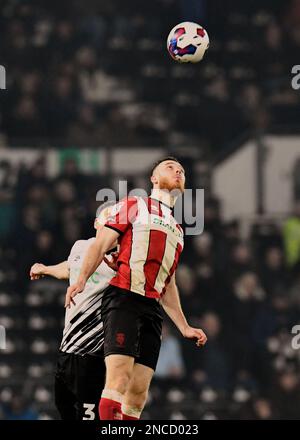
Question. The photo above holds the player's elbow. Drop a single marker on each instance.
(63, 276)
(98, 248)
(165, 304)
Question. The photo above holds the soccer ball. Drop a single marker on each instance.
(188, 42)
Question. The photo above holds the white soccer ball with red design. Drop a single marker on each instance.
(188, 42)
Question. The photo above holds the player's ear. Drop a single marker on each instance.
(154, 179)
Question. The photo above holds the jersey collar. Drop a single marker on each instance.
(161, 197)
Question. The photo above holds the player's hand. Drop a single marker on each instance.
(73, 291)
(195, 333)
(113, 262)
(37, 271)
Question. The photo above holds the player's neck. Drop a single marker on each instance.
(164, 196)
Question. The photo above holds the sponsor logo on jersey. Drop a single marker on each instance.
(160, 222)
(120, 339)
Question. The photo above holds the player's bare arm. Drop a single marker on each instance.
(60, 271)
(172, 306)
(105, 238)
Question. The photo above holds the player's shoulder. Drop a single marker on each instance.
(82, 244)
(179, 227)
(129, 199)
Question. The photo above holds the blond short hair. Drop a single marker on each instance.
(103, 213)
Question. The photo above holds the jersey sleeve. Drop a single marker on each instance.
(103, 215)
(122, 215)
(72, 251)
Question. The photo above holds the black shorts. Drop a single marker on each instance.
(132, 325)
(79, 381)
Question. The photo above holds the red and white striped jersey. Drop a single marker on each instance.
(151, 242)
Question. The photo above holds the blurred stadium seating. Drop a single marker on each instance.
(96, 74)
(99, 74)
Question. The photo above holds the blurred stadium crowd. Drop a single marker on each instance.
(98, 73)
(94, 73)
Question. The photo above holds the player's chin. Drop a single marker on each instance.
(175, 185)
(179, 186)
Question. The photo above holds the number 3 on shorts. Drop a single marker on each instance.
(89, 413)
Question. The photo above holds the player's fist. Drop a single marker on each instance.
(73, 291)
(37, 271)
(112, 263)
(195, 333)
